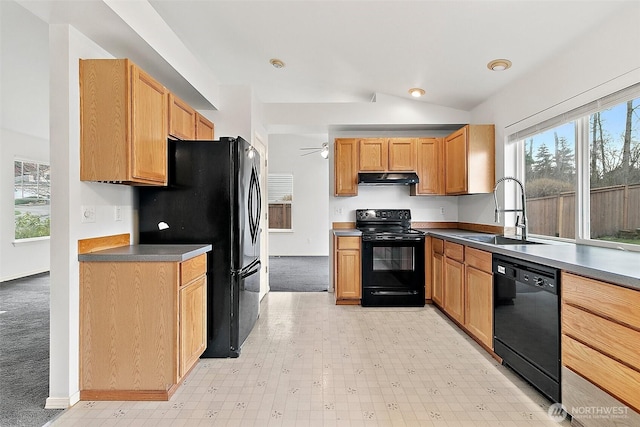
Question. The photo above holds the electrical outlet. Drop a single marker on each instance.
(442, 211)
(337, 211)
(88, 214)
(117, 213)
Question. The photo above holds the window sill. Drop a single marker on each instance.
(30, 240)
(280, 230)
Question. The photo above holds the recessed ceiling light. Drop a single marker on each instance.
(416, 92)
(499, 65)
(276, 63)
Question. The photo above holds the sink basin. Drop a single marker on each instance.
(499, 240)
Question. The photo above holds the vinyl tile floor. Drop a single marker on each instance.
(309, 362)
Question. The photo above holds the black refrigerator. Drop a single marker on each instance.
(213, 196)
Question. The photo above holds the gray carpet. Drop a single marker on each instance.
(299, 273)
(24, 352)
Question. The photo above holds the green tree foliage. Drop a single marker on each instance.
(29, 225)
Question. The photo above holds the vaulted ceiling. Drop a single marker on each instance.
(348, 51)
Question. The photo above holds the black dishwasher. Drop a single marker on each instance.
(526, 311)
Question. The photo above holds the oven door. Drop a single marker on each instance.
(393, 273)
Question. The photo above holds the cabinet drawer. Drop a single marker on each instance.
(192, 268)
(615, 378)
(348, 243)
(454, 251)
(608, 337)
(610, 301)
(479, 259)
(438, 246)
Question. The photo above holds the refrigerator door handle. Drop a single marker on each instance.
(254, 205)
(250, 269)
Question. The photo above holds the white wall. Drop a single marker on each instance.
(598, 64)
(310, 209)
(24, 131)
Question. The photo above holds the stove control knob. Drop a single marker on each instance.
(539, 281)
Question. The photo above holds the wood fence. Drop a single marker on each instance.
(613, 209)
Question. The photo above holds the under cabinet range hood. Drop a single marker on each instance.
(387, 178)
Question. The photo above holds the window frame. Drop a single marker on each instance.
(580, 116)
(38, 165)
(289, 202)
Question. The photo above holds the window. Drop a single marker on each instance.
(582, 177)
(32, 194)
(614, 173)
(280, 189)
(550, 177)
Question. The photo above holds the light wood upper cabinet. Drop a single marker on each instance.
(345, 167)
(469, 156)
(387, 154)
(374, 155)
(348, 269)
(402, 154)
(429, 167)
(123, 124)
(204, 128)
(182, 119)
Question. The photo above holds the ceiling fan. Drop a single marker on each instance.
(323, 150)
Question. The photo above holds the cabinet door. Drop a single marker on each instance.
(193, 323)
(148, 127)
(402, 154)
(429, 167)
(437, 270)
(204, 128)
(346, 167)
(348, 268)
(182, 119)
(455, 156)
(478, 297)
(374, 155)
(454, 289)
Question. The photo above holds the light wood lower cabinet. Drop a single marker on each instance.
(454, 289)
(601, 341)
(462, 286)
(347, 279)
(437, 268)
(142, 327)
(454, 280)
(478, 295)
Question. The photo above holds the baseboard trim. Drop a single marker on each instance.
(57, 403)
(62, 402)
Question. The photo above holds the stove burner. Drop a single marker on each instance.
(386, 224)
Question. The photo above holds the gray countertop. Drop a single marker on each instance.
(347, 232)
(146, 253)
(611, 265)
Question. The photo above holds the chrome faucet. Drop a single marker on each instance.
(519, 224)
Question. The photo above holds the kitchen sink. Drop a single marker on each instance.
(499, 240)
